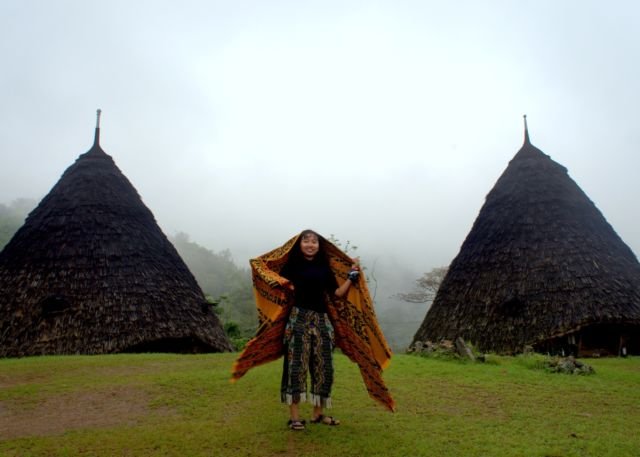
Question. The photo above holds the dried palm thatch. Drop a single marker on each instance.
(541, 267)
(90, 272)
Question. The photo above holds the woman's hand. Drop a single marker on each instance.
(355, 270)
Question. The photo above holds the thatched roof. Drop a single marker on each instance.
(91, 272)
(540, 261)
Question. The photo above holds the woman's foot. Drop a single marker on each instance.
(296, 424)
(326, 420)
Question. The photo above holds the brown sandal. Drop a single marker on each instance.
(296, 425)
(326, 420)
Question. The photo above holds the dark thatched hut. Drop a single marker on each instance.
(90, 272)
(541, 267)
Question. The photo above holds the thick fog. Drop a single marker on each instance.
(383, 123)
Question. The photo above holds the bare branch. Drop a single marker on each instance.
(426, 286)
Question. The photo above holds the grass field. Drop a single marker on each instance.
(184, 405)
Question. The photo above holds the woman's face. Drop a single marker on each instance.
(309, 245)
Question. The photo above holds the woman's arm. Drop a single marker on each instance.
(342, 290)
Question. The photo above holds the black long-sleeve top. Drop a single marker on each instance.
(312, 280)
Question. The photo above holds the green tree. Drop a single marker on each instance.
(237, 335)
(227, 286)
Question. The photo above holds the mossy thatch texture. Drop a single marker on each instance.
(90, 272)
(540, 267)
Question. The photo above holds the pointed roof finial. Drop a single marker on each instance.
(96, 139)
(526, 131)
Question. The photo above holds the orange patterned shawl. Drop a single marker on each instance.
(356, 329)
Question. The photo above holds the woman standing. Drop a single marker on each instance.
(308, 335)
(310, 299)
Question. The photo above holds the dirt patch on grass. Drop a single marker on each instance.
(57, 414)
(7, 382)
(453, 399)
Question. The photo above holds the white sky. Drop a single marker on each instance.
(383, 122)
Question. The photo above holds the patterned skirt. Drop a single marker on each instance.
(309, 341)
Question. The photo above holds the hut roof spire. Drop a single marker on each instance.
(526, 131)
(96, 139)
(96, 149)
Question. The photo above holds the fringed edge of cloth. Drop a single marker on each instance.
(319, 400)
(358, 334)
(302, 397)
(290, 399)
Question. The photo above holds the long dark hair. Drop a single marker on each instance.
(296, 257)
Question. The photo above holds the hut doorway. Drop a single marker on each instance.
(598, 340)
(609, 340)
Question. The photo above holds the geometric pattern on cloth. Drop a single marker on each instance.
(357, 332)
(309, 344)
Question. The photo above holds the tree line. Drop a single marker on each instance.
(12, 217)
(228, 287)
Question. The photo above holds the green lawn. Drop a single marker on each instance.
(184, 405)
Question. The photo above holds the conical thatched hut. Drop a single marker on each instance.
(541, 267)
(90, 272)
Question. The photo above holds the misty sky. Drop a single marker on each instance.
(383, 122)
